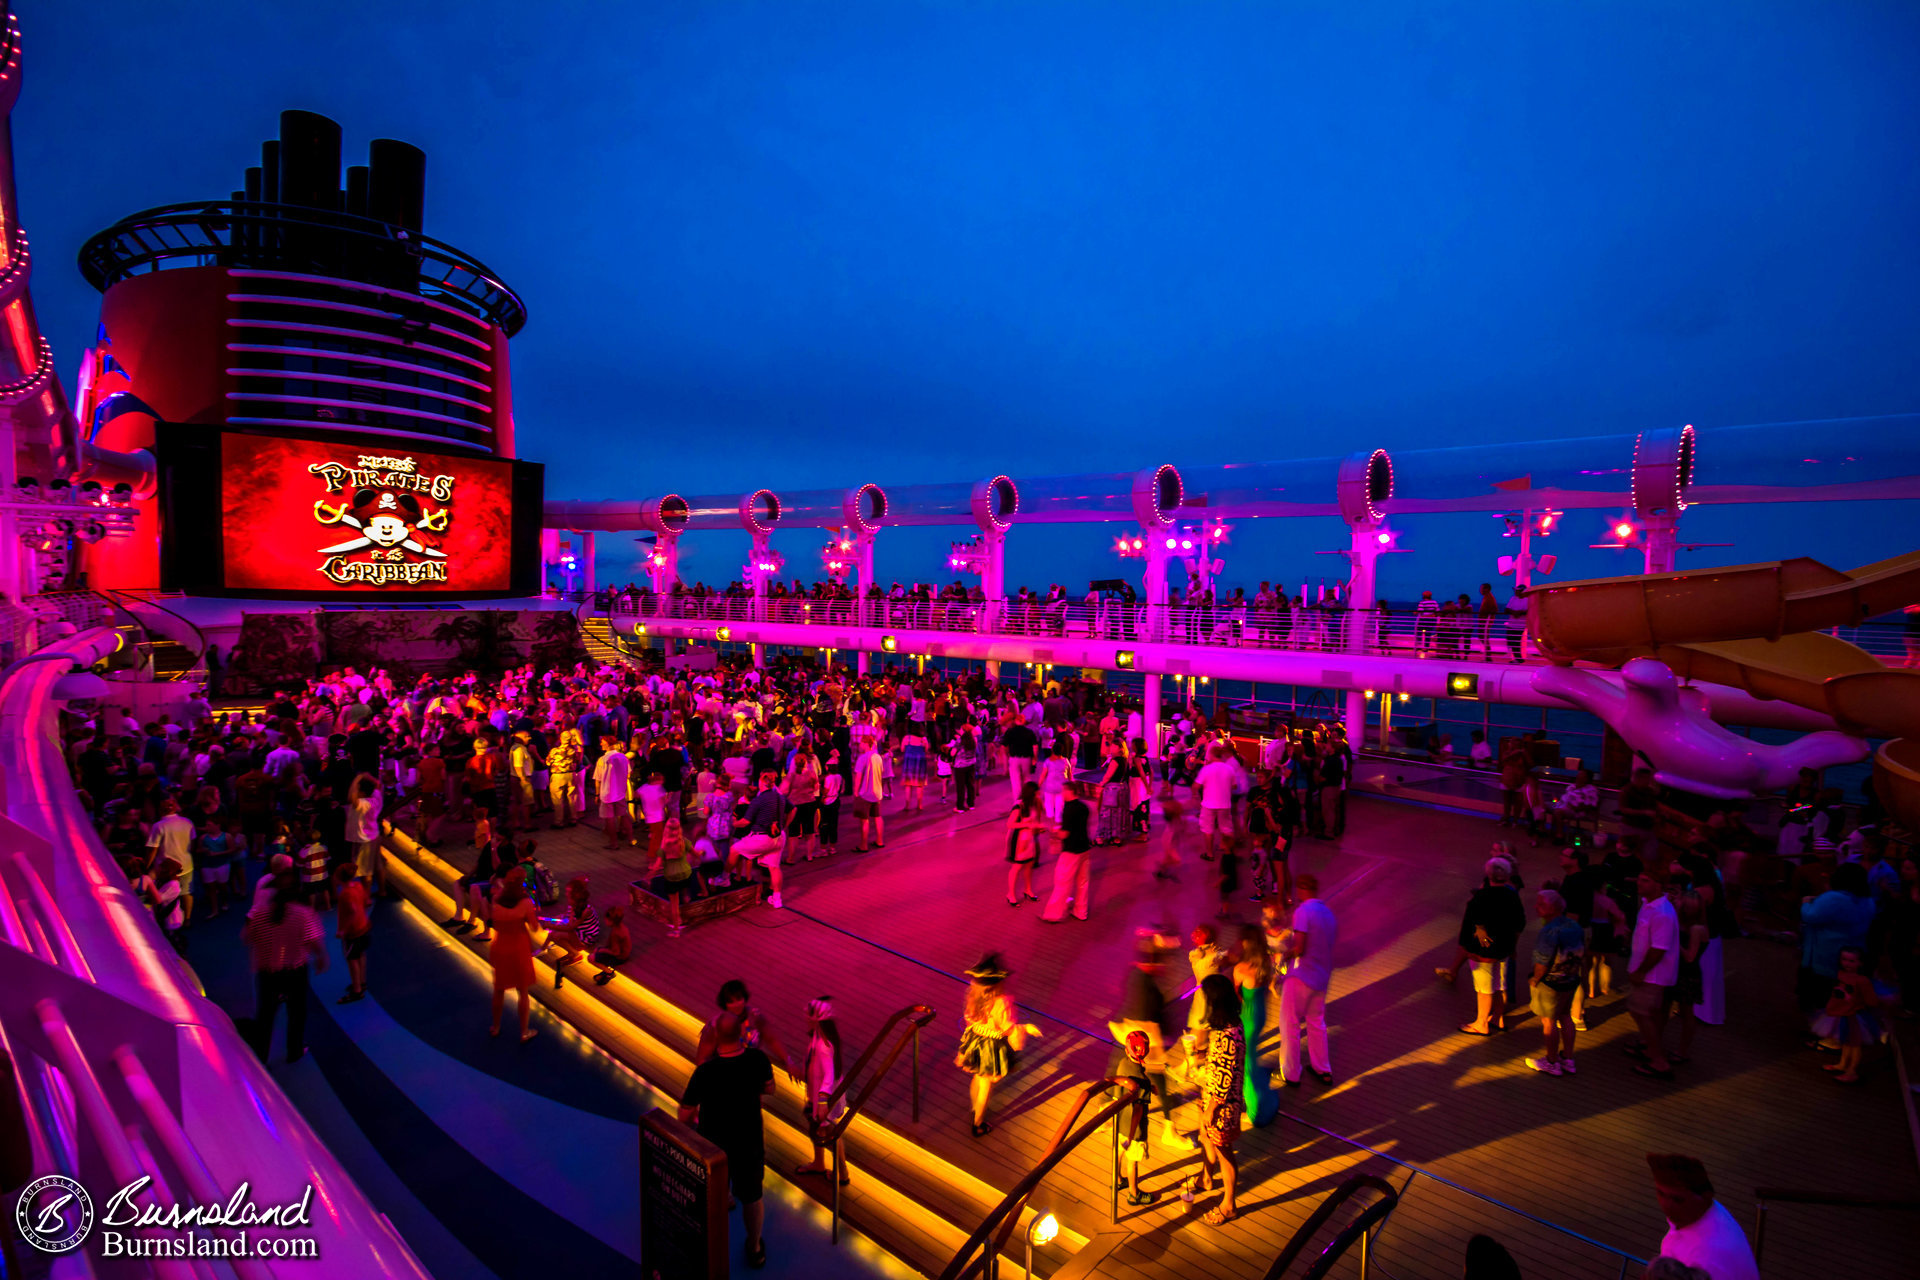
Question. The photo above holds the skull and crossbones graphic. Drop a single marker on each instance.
(385, 520)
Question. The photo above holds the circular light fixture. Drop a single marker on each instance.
(760, 511)
(865, 507)
(1157, 493)
(1364, 481)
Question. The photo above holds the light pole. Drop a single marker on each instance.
(1040, 1233)
(1524, 525)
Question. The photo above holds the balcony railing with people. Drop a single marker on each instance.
(1392, 632)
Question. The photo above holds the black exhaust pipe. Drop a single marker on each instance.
(397, 185)
(357, 189)
(309, 160)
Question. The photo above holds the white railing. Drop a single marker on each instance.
(123, 1070)
(1400, 633)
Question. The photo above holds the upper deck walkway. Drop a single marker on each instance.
(1383, 634)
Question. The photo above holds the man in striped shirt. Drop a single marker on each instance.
(1426, 622)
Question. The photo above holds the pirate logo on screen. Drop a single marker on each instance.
(392, 542)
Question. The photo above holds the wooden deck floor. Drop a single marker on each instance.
(896, 926)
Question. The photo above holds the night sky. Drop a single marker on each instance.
(796, 244)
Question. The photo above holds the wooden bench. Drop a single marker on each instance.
(677, 915)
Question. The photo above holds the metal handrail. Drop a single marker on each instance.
(239, 1126)
(1326, 629)
(829, 1132)
(1626, 1259)
(52, 919)
(1831, 1199)
(255, 233)
(93, 1107)
(1006, 1214)
(581, 612)
(198, 667)
(179, 1147)
(1361, 1228)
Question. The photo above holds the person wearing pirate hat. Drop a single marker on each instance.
(992, 1034)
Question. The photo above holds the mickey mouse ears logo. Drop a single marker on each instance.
(54, 1214)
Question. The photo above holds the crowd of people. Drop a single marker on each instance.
(1646, 898)
(708, 782)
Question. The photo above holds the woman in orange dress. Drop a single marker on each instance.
(515, 918)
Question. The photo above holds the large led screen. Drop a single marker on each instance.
(317, 515)
(307, 515)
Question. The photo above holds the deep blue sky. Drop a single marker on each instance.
(802, 244)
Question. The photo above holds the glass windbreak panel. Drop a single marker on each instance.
(1563, 720)
(1508, 716)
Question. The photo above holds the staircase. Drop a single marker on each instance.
(171, 659)
(602, 645)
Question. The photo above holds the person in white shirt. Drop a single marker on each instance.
(1242, 788)
(1517, 623)
(1653, 966)
(1480, 755)
(1700, 1231)
(172, 838)
(612, 778)
(869, 783)
(1578, 801)
(1215, 783)
(1303, 995)
(653, 811)
(363, 830)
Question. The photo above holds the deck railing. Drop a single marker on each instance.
(1365, 1225)
(1329, 629)
(980, 1254)
(1416, 1175)
(904, 1027)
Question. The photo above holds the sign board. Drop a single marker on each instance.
(683, 1201)
(343, 516)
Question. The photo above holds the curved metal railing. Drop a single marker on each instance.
(196, 670)
(829, 1132)
(294, 238)
(1361, 1228)
(1334, 629)
(1417, 1176)
(132, 660)
(121, 1068)
(980, 1254)
(586, 610)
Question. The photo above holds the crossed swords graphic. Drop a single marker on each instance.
(339, 515)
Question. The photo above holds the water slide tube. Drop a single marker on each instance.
(1759, 628)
